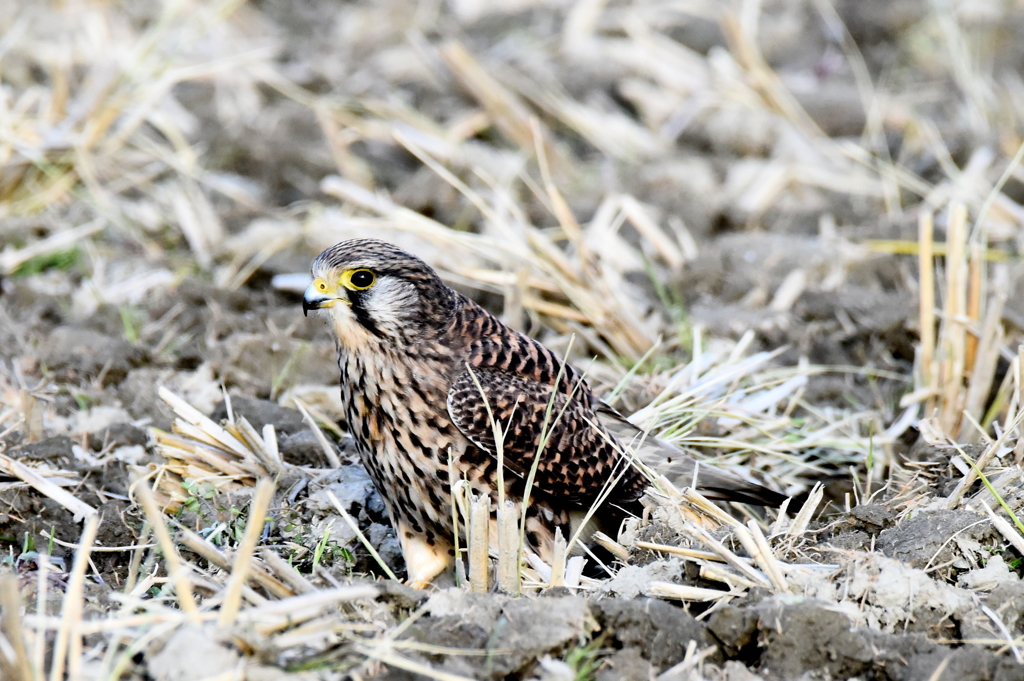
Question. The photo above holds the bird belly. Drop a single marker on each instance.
(415, 490)
(420, 507)
(406, 439)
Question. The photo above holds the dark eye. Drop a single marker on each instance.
(362, 279)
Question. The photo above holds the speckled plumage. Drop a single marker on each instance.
(414, 356)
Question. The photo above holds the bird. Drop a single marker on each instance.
(426, 373)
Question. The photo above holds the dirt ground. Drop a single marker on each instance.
(741, 186)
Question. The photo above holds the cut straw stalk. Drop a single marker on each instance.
(243, 556)
(559, 206)
(683, 551)
(953, 334)
(112, 624)
(975, 284)
(459, 494)
(273, 616)
(68, 646)
(32, 412)
(558, 559)
(705, 556)
(204, 455)
(781, 520)
(985, 361)
(206, 425)
(723, 574)
(704, 505)
(508, 548)
(681, 592)
(20, 667)
(261, 449)
(574, 571)
(741, 34)
(757, 546)
(727, 555)
(803, 519)
(926, 285)
(295, 581)
(691, 661)
(613, 547)
(479, 526)
(42, 591)
(175, 568)
(76, 506)
(257, 576)
(1018, 378)
(541, 570)
(1009, 532)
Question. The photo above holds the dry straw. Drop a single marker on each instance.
(102, 141)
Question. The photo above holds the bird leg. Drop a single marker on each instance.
(424, 560)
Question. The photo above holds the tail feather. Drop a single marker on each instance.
(680, 468)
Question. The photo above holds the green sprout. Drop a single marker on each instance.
(321, 546)
(60, 260)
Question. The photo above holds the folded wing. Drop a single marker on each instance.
(579, 456)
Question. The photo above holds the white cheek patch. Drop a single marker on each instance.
(390, 303)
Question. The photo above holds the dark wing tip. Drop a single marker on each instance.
(748, 494)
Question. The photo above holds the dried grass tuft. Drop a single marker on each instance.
(229, 457)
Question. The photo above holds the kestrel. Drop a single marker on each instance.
(417, 359)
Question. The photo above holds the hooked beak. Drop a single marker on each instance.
(318, 297)
(309, 303)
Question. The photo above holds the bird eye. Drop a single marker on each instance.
(322, 285)
(360, 280)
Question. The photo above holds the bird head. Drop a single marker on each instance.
(371, 289)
